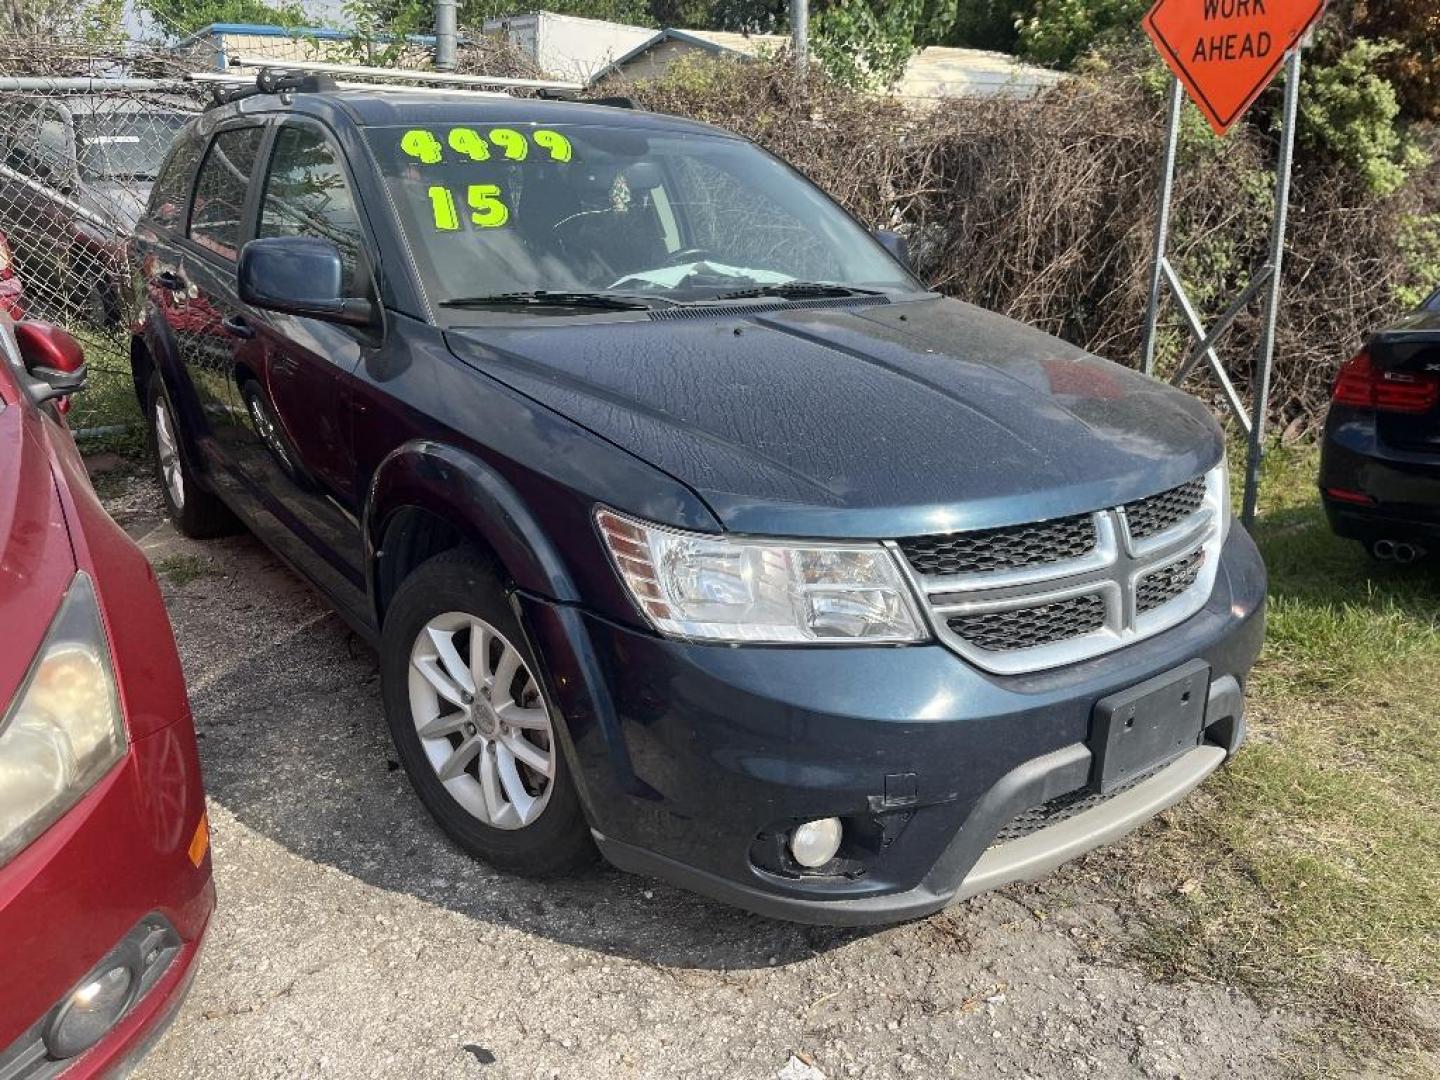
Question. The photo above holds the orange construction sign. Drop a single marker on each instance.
(1227, 51)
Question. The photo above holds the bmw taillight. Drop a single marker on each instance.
(1361, 384)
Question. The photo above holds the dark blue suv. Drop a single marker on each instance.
(687, 523)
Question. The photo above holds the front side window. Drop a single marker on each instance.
(172, 186)
(306, 195)
(681, 217)
(215, 216)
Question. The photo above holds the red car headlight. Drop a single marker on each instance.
(65, 729)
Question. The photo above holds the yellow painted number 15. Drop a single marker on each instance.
(487, 208)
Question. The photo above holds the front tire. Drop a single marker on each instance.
(196, 512)
(471, 723)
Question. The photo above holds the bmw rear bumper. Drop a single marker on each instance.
(1403, 486)
(692, 759)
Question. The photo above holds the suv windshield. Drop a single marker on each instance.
(125, 146)
(594, 209)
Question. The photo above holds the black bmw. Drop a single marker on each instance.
(1380, 465)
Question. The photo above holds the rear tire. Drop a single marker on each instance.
(196, 512)
(471, 723)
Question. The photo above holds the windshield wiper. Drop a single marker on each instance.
(799, 290)
(546, 298)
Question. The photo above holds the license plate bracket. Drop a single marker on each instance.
(1154, 722)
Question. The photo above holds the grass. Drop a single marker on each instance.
(1311, 867)
(108, 400)
(181, 570)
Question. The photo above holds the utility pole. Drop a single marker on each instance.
(444, 35)
(800, 34)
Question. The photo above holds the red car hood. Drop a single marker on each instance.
(36, 559)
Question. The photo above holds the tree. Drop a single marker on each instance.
(869, 42)
(1414, 67)
(1062, 31)
(739, 16)
(61, 19)
(983, 24)
(181, 17)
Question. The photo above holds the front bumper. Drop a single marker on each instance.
(688, 756)
(1404, 485)
(120, 856)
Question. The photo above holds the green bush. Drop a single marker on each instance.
(1419, 243)
(1351, 111)
(1062, 31)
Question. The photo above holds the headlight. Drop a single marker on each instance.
(694, 585)
(64, 730)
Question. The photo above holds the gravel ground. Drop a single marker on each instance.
(353, 940)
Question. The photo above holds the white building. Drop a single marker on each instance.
(933, 74)
(566, 46)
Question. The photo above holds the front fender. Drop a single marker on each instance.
(155, 335)
(462, 489)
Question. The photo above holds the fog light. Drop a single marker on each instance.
(90, 1012)
(816, 842)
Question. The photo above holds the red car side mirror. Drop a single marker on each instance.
(54, 361)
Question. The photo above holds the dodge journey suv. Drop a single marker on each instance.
(687, 523)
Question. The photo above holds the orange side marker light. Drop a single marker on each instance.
(201, 842)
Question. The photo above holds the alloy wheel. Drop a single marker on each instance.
(169, 453)
(482, 720)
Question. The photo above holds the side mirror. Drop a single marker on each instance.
(299, 275)
(895, 244)
(54, 362)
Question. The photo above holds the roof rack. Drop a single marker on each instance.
(230, 88)
(267, 82)
(405, 75)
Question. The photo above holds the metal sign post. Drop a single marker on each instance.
(800, 34)
(1224, 55)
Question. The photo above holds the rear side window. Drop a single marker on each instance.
(171, 192)
(215, 217)
(306, 195)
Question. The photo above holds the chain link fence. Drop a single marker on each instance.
(84, 128)
(83, 131)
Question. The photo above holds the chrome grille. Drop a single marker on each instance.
(1029, 627)
(1168, 582)
(1028, 597)
(1152, 516)
(1002, 549)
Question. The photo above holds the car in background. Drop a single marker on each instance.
(75, 171)
(12, 290)
(105, 879)
(1380, 458)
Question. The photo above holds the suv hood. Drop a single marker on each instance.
(862, 422)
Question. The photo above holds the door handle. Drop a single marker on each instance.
(237, 327)
(168, 279)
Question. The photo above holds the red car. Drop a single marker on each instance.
(12, 293)
(105, 885)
